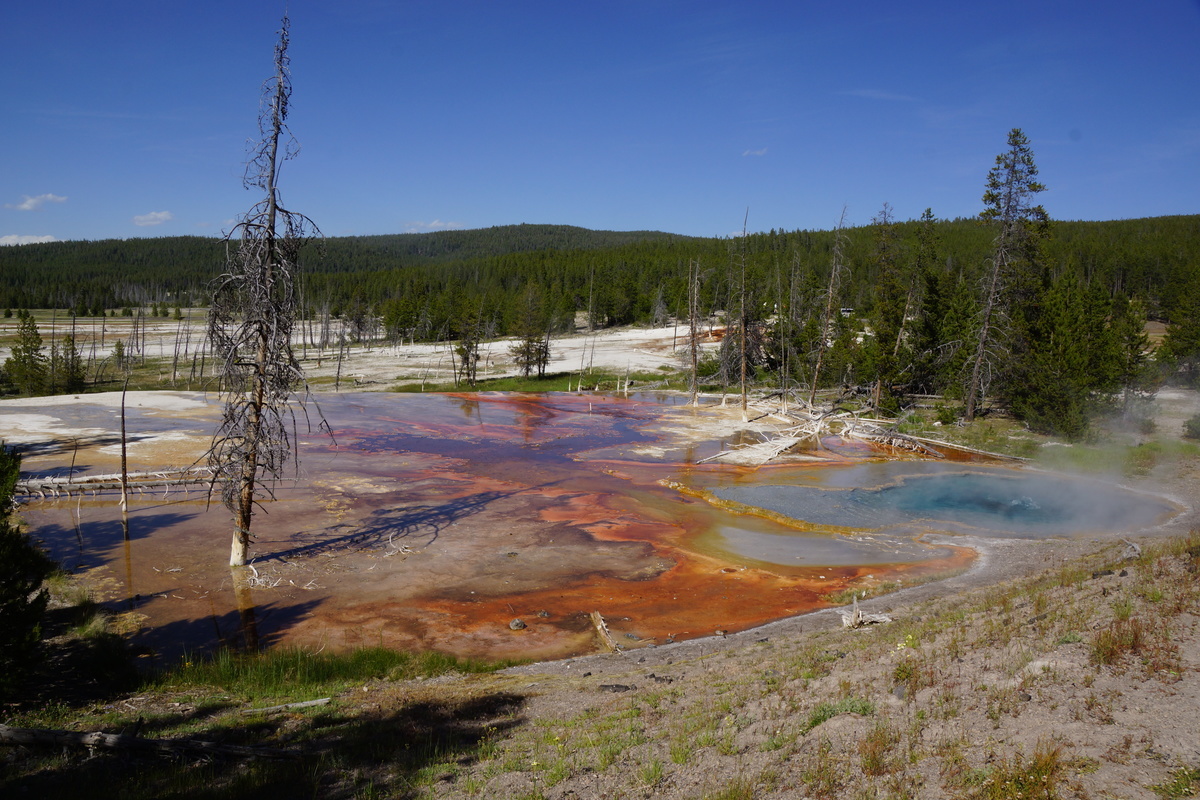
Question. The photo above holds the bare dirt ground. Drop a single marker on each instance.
(171, 346)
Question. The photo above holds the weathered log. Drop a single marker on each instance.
(99, 483)
(286, 706)
(602, 629)
(855, 618)
(41, 737)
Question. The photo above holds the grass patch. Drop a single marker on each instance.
(875, 749)
(300, 675)
(1119, 638)
(847, 705)
(1036, 777)
(1184, 782)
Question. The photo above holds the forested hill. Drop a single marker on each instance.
(375, 252)
(118, 272)
(620, 276)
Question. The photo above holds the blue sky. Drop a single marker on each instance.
(126, 119)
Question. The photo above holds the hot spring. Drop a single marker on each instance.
(432, 521)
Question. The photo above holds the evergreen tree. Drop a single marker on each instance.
(893, 297)
(1181, 346)
(23, 568)
(1136, 377)
(1056, 386)
(532, 350)
(27, 365)
(119, 357)
(1011, 282)
(71, 372)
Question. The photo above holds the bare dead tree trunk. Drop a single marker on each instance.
(742, 322)
(991, 301)
(337, 381)
(251, 320)
(124, 466)
(694, 327)
(836, 269)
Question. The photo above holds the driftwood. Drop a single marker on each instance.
(889, 437)
(286, 706)
(55, 487)
(41, 737)
(812, 423)
(855, 618)
(602, 629)
(758, 453)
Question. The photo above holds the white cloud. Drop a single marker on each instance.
(759, 152)
(34, 203)
(436, 225)
(153, 218)
(14, 238)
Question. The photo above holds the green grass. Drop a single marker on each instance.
(1185, 782)
(299, 675)
(1109, 457)
(847, 705)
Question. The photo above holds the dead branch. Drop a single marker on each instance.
(287, 706)
(42, 737)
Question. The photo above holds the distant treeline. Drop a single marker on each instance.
(422, 282)
(1049, 319)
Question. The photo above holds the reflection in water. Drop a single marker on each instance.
(245, 605)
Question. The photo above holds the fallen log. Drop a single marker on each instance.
(855, 618)
(100, 483)
(602, 629)
(286, 706)
(42, 737)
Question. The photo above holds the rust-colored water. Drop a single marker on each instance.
(435, 520)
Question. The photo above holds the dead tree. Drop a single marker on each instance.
(837, 270)
(250, 322)
(694, 328)
(743, 331)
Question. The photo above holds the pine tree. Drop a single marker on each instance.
(27, 366)
(1011, 280)
(72, 371)
(1136, 377)
(893, 297)
(23, 567)
(531, 353)
(1181, 346)
(1056, 386)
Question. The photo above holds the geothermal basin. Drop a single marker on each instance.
(437, 521)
